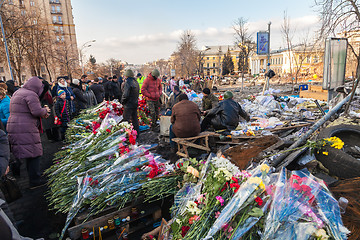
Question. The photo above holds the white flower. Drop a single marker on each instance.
(221, 162)
(321, 234)
(192, 207)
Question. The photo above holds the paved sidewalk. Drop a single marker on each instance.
(31, 211)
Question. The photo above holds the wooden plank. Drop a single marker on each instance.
(75, 232)
(291, 127)
(182, 154)
(189, 144)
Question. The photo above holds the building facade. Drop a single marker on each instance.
(57, 18)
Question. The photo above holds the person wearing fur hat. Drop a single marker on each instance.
(129, 99)
(79, 101)
(152, 90)
(62, 112)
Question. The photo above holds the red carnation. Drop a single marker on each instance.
(235, 179)
(259, 201)
(132, 140)
(87, 127)
(184, 230)
(108, 130)
(297, 186)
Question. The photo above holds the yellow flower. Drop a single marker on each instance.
(325, 153)
(193, 171)
(255, 180)
(265, 168)
(335, 142)
(262, 185)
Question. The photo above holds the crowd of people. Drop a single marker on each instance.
(39, 106)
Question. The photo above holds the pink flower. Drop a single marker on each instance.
(217, 214)
(220, 199)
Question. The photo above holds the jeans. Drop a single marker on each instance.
(33, 169)
(171, 137)
(130, 115)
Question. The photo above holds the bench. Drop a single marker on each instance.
(184, 143)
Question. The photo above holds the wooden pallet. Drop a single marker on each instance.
(184, 143)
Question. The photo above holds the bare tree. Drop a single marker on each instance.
(186, 56)
(288, 36)
(341, 16)
(243, 40)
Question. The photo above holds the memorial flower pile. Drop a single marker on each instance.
(256, 204)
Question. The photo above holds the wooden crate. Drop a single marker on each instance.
(315, 92)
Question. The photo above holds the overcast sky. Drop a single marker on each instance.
(140, 31)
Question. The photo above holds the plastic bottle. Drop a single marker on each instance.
(343, 202)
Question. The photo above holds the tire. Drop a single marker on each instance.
(338, 162)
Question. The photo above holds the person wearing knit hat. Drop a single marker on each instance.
(60, 92)
(225, 116)
(152, 89)
(209, 101)
(129, 99)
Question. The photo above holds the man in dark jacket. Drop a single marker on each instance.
(80, 101)
(98, 90)
(116, 89)
(152, 89)
(130, 99)
(185, 119)
(225, 115)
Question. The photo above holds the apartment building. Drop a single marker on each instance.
(57, 16)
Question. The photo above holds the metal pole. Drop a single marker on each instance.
(268, 67)
(278, 162)
(6, 46)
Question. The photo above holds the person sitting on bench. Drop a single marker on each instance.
(185, 119)
(225, 116)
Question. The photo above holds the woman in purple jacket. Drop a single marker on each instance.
(24, 127)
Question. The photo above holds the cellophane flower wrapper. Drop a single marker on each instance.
(239, 200)
(291, 205)
(328, 209)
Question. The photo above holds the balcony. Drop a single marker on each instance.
(55, 2)
(56, 12)
(57, 22)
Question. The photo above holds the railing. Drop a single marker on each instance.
(55, 1)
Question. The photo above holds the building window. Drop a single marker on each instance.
(35, 21)
(207, 58)
(208, 65)
(52, 9)
(61, 29)
(214, 71)
(1, 69)
(58, 38)
(58, 9)
(54, 19)
(23, 12)
(11, 2)
(42, 69)
(32, 3)
(60, 19)
(213, 58)
(62, 38)
(214, 64)
(3, 78)
(56, 28)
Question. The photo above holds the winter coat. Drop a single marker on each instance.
(24, 123)
(116, 90)
(99, 91)
(4, 152)
(226, 115)
(209, 102)
(79, 101)
(65, 115)
(151, 88)
(69, 93)
(130, 93)
(4, 110)
(107, 89)
(90, 98)
(48, 123)
(185, 118)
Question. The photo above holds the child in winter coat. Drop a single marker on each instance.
(62, 112)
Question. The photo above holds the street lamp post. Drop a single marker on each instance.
(5, 42)
(85, 45)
